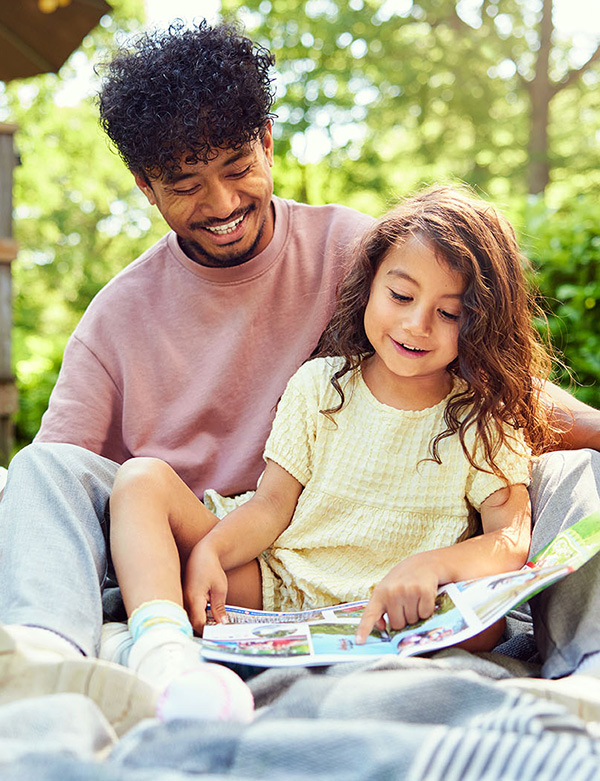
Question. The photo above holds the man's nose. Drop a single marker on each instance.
(221, 200)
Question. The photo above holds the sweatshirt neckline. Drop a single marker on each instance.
(253, 267)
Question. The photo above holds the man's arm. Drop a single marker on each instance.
(578, 422)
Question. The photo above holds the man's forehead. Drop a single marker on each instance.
(217, 158)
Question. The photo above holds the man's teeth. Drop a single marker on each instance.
(227, 228)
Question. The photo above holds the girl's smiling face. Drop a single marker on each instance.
(411, 320)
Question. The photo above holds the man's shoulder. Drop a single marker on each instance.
(326, 213)
(327, 221)
(144, 266)
(146, 263)
(133, 283)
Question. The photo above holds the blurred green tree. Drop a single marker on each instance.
(564, 246)
(374, 98)
(79, 219)
(424, 90)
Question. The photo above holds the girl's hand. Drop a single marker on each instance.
(204, 581)
(407, 594)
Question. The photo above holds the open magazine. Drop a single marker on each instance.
(326, 635)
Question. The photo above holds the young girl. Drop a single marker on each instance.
(422, 411)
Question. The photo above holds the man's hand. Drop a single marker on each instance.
(204, 581)
(407, 594)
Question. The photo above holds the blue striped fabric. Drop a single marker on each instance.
(525, 739)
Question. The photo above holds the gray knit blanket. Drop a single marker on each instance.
(450, 717)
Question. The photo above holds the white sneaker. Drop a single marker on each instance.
(30, 671)
(162, 654)
(589, 665)
(191, 687)
(43, 641)
(116, 642)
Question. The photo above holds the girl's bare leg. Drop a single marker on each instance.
(155, 522)
(244, 586)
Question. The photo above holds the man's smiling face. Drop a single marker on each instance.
(220, 210)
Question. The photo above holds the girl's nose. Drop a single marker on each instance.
(418, 322)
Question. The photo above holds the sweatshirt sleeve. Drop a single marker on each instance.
(85, 406)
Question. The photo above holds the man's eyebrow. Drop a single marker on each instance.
(396, 272)
(180, 176)
(235, 156)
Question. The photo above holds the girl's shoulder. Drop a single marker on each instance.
(314, 376)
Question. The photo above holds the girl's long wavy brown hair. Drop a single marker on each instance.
(501, 357)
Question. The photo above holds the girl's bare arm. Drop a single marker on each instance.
(240, 537)
(407, 594)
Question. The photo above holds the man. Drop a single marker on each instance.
(184, 354)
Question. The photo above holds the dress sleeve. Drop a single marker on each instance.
(292, 438)
(514, 459)
(86, 407)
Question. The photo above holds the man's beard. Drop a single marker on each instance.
(199, 255)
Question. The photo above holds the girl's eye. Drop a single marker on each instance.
(399, 296)
(449, 316)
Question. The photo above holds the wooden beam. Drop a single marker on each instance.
(8, 250)
(9, 400)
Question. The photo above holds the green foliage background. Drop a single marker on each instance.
(371, 104)
(564, 245)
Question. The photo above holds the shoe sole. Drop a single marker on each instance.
(579, 694)
(123, 698)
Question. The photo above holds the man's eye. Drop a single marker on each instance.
(239, 174)
(187, 191)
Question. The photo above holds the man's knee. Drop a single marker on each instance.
(565, 487)
(48, 456)
(47, 466)
(553, 471)
(34, 457)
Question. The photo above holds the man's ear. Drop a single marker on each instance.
(266, 139)
(145, 187)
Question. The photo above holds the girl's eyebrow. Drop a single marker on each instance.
(396, 272)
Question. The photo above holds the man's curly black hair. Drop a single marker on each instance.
(185, 92)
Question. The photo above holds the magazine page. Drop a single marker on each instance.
(462, 610)
(574, 546)
(329, 638)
